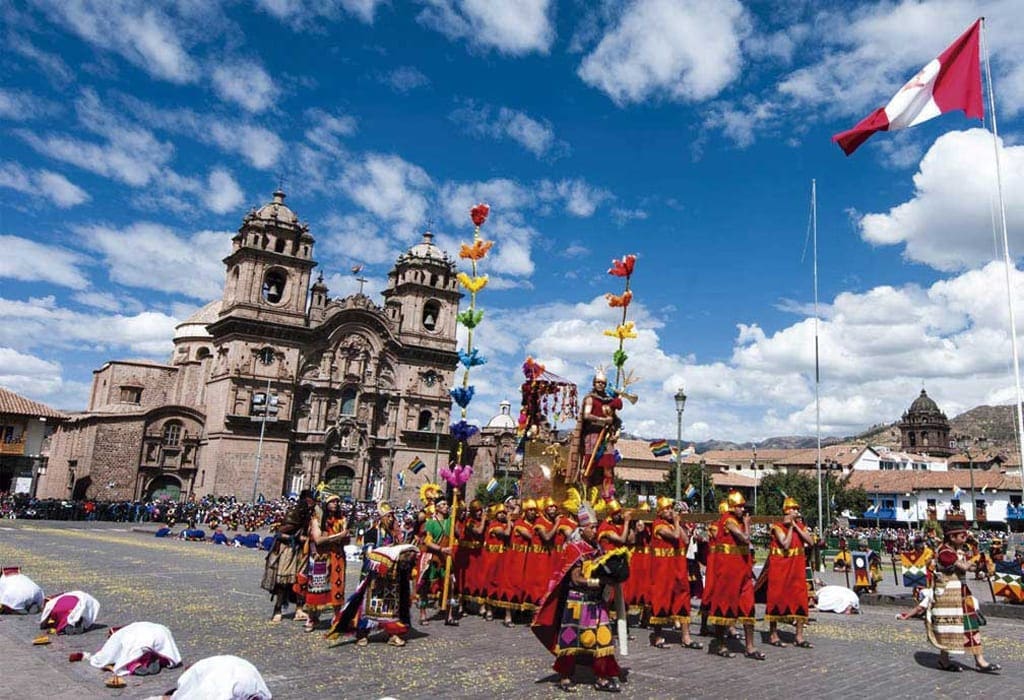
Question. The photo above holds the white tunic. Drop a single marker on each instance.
(222, 678)
(130, 642)
(18, 592)
(837, 599)
(86, 609)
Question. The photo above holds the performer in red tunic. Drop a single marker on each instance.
(669, 585)
(709, 572)
(494, 563)
(787, 583)
(732, 588)
(545, 528)
(636, 588)
(513, 581)
(599, 428)
(613, 530)
(537, 567)
(466, 562)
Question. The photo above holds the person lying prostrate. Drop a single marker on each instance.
(838, 599)
(18, 593)
(73, 612)
(219, 678)
(141, 649)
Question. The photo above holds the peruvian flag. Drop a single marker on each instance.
(950, 82)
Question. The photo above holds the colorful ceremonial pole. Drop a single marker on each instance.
(459, 474)
(622, 268)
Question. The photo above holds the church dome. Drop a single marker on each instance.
(924, 404)
(277, 211)
(503, 419)
(195, 325)
(426, 250)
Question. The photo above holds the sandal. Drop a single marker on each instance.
(657, 642)
(949, 666)
(804, 644)
(451, 623)
(488, 616)
(692, 645)
(508, 623)
(725, 653)
(396, 641)
(300, 616)
(567, 687)
(309, 626)
(362, 641)
(609, 686)
(275, 618)
(756, 655)
(991, 668)
(779, 643)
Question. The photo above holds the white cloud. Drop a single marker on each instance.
(356, 238)
(514, 27)
(30, 261)
(406, 79)
(222, 193)
(577, 196)
(43, 183)
(948, 222)
(155, 36)
(623, 216)
(308, 14)
(326, 130)
(390, 188)
(106, 301)
(50, 63)
(684, 50)
(19, 105)
(27, 374)
(42, 323)
(153, 256)
(536, 136)
(245, 83)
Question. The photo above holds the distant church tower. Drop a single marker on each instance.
(924, 429)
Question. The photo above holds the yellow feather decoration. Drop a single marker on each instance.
(473, 284)
(626, 330)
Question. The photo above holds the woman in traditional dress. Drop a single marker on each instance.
(325, 587)
(952, 621)
(787, 577)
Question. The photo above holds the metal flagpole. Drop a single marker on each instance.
(1006, 252)
(817, 372)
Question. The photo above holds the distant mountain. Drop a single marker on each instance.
(997, 423)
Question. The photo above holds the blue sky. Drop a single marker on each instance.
(137, 134)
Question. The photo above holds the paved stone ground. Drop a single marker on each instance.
(210, 598)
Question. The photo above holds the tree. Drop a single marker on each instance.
(804, 488)
(506, 487)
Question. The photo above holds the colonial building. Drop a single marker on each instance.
(276, 386)
(924, 428)
(25, 429)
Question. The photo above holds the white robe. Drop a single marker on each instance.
(837, 599)
(18, 592)
(222, 678)
(130, 642)
(86, 609)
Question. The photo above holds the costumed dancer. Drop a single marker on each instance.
(435, 543)
(705, 599)
(284, 559)
(636, 588)
(513, 569)
(573, 622)
(787, 582)
(669, 587)
(731, 590)
(952, 620)
(537, 567)
(492, 561)
(383, 599)
(466, 564)
(328, 535)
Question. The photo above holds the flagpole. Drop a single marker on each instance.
(1006, 251)
(817, 371)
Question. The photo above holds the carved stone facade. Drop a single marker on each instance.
(276, 372)
(924, 429)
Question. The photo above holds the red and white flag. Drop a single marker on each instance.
(950, 82)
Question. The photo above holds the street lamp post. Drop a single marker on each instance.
(878, 509)
(965, 446)
(680, 398)
(267, 358)
(753, 465)
(438, 426)
(703, 488)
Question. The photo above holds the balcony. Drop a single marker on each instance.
(1015, 512)
(880, 514)
(14, 447)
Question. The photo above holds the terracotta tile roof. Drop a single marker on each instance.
(730, 479)
(11, 403)
(655, 476)
(908, 481)
(844, 454)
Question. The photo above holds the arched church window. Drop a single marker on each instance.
(279, 245)
(431, 311)
(424, 421)
(348, 401)
(273, 286)
(203, 353)
(172, 433)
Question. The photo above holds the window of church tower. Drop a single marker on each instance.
(424, 421)
(273, 286)
(348, 401)
(431, 311)
(131, 394)
(203, 353)
(279, 246)
(172, 433)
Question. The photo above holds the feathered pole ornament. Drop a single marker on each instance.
(458, 474)
(626, 329)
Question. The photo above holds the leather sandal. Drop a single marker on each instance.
(778, 643)
(804, 644)
(990, 668)
(756, 655)
(692, 645)
(949, 666)
(609, 686)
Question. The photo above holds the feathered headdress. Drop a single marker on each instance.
(428, 492)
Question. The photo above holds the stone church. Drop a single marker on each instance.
(276, 387)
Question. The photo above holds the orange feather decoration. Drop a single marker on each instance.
(619, 301)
